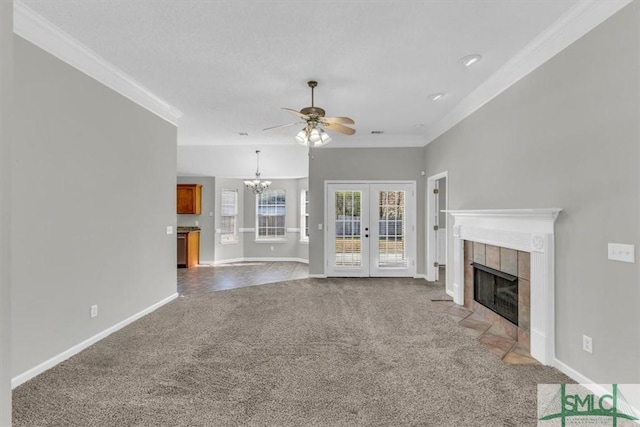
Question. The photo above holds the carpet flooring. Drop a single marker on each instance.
(311, 352)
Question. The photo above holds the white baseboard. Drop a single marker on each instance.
(450, 293)
(597, 389)
(420, 276)
(227, 261)
(317, 276)
(260, 259)
(48, 364)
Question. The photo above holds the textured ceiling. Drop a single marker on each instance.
(230, 66)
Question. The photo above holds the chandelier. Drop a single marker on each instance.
(257, 185)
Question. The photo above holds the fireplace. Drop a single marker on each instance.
(496, 290)
(528, 231)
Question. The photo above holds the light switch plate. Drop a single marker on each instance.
(620, 252)
(169, 229)
(319, 226)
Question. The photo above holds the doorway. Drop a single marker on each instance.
(371, 229)
(437, 201)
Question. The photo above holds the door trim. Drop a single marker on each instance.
(366, 182)
(432, 272)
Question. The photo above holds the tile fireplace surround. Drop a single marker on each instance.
(526, 230)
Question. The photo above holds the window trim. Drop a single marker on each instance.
(304, 215)
(271, 239)
(236, 236)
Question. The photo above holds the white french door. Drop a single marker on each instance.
(371, 229)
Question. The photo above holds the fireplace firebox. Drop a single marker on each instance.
(496, 290)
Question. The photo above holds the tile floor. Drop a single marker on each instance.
(490, 336)
(205, 278)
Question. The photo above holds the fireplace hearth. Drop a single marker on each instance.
(496, 290)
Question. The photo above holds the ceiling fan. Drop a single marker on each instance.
(313, 134)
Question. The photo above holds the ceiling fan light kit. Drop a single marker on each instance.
(257, 186)
(314, 134)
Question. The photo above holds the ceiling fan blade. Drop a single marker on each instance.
(282, 126)
(339, 128)
(343, 120)
(297, 113)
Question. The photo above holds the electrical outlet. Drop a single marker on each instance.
(587, 344)
(169, 229)
(94, 311)
(197, 223)
(272, 248)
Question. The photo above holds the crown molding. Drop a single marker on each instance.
(575, 23)
(42, 33)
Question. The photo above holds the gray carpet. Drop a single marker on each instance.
(313, 352)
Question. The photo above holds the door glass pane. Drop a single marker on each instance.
(392, 233)
(347, 220)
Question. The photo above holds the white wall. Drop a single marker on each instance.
(568, 136)
(93, 190)
(6, 69)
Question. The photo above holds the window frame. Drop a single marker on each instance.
(224, 237)
(304, 216)
(271, 238)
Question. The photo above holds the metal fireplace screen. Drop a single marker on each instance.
(496, 290)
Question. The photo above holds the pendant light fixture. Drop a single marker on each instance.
(257, 186)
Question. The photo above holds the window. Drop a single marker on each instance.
(304, 215)
(228, 215)
(270, 215)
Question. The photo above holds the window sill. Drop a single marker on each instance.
(304, 242)
(232, 242)
(270, 240)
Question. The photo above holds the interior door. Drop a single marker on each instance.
(371, 229)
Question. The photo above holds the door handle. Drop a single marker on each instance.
(366, 235)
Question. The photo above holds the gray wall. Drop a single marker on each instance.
(206, 222)
(361, 164)
(568, 136)
(285, 249)
(6, 68)
(93, 190)
(230, 251)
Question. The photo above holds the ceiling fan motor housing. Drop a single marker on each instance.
(313, 111)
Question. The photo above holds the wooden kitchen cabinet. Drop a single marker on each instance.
(188, 249)
(189, 199)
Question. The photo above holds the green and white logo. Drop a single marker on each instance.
(574, 405)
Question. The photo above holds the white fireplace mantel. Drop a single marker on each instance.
(529, 230)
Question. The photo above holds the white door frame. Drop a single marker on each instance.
(327, 238)
(432, 251)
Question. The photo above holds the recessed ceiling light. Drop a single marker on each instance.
(243, 134)
(469, 60)
(377, 132)
(436, 96)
